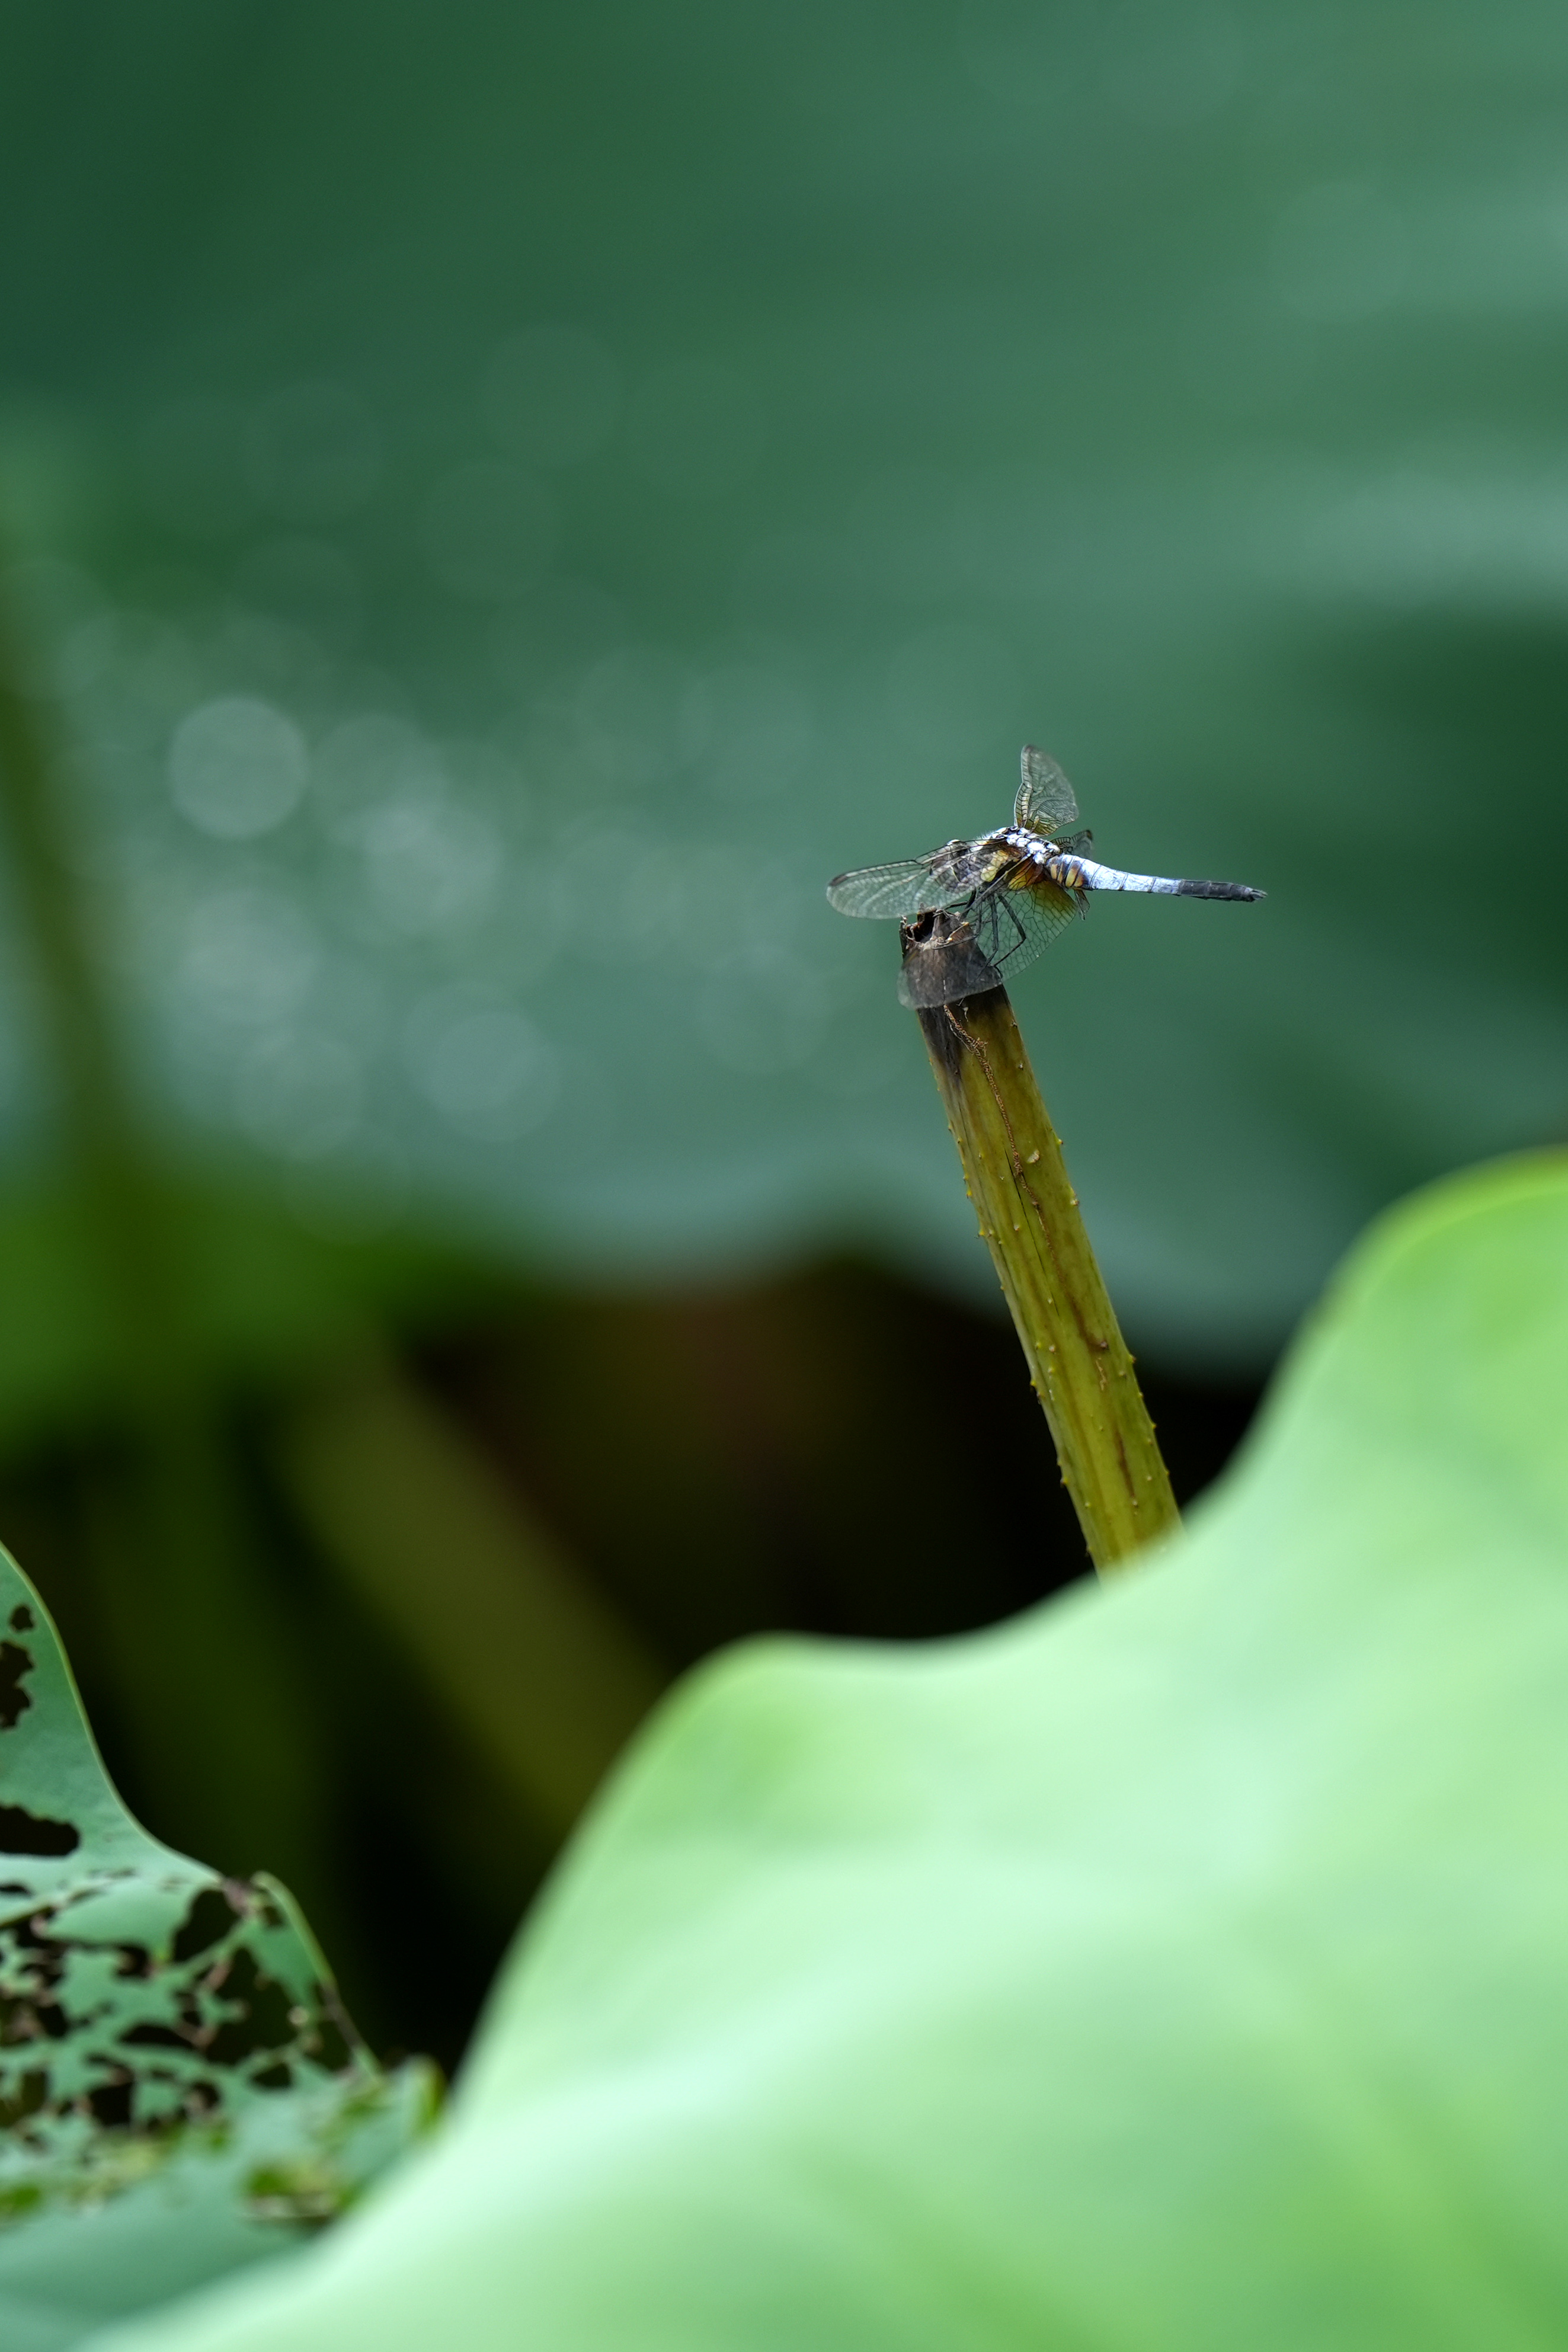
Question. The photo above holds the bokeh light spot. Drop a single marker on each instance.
(237, 767)
(429, 865)
(485, 1067)
(251, 958)
(366, 761)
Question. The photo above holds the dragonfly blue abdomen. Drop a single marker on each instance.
(1111, 877)
(998, 901)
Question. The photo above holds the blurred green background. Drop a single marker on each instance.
(495, 506)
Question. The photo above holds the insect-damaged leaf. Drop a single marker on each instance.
(180, 2090)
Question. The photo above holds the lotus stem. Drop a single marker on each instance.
(1030, 1220)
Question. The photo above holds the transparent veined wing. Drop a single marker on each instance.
(905, 889)
(1012, 927)
(1046, 803)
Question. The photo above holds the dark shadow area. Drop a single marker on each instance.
(832, 1453)
(836, 1453)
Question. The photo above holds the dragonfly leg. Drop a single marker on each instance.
(1012, 914)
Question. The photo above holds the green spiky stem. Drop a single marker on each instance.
(1031, 1222)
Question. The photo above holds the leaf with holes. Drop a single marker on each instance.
(175, 2064)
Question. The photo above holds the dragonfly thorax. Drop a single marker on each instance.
(1013, 849)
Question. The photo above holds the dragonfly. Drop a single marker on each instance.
(980, 911)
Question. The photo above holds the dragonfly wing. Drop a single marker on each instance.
(1013, 927)
(907, 887)
(1046, 803)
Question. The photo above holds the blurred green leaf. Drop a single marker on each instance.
(543, 1673)
(653, 462)
(181, 2092)
(269, 1299)
(1179, 1965)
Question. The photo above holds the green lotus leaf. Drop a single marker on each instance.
(1179, 1965)
(181, 2092)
